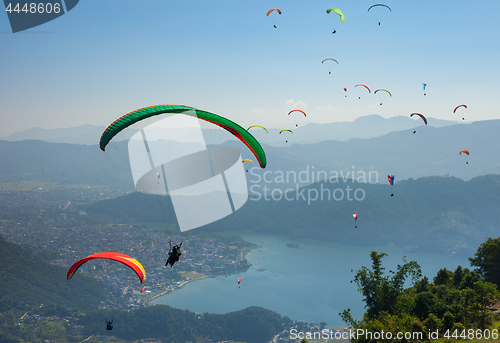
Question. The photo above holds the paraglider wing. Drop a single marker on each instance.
(355, 216)
(421, 116)
(385, 90)
(257, 126)
(273, 9)
(286, 130)
(143, 288)
(115, 256)
(246, 159)
(239, 280)
(329, 59)
(369, 91)
(147, 112)
(423, 85)
(304, 113)
(391, 179)
(378, 5)
(338, 12)
(459, 107)
(465, 152)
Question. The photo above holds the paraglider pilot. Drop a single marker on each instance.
(109, 325)
(174, 254)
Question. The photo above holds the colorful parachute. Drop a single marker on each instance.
(273, 9)
(337, 12)
(246, 159)
(355, 216)
(329, 59)
(385, 90)
(147, 112)
(143, 288)
(391, 179)
(239, 280)
(424, 85)
(345, 89)
(459, 107)
(115, 256)
(257, 126)
(158, 174)
(364, 86)
(421, 116)
(286, 130)
(304, 113)
(465, 152)
(378, 5)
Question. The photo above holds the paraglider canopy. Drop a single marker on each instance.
(362, 85)
(115, 256)
(273, 9)
(384, 90)
(257, 126)
(465, 106)
(329, 59)
(337, 12)
(465, 152)
(304, 113)
(379, 5)
(391, 179)
(355, 216)
(133, 117)
(286, 130)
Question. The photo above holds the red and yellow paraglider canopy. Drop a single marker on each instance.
(115, 256)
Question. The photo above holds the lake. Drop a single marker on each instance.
(310, 283)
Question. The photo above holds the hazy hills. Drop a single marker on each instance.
(434, 214)
(430, 151)
(28, 278)
(363, 128)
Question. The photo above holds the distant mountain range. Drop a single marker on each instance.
(430, 151)
(363, 128)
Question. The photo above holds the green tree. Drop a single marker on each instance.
(381, 292)
(486, 260)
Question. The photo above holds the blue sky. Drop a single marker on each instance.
(106, 58)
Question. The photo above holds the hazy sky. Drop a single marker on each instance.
(109, 57)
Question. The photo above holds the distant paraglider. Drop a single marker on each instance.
(455, 110)
(379, 5)
(355, 217)
(304, 113)
(382, 90)
(109, 324)
(337, 12)
(423, 86)
(286, 130)
(329, 59)
(272, 10)
(465, 152)
(391, 181)
(257, 126)
(362, 85)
